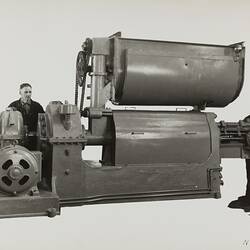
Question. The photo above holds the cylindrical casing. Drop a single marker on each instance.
(19, 169)
(171, 73)
(156, 137)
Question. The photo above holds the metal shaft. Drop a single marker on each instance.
(97, 80)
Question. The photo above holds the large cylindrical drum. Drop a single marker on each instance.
(179, 74)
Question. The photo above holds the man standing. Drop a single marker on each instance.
(29, 110)
(243, 202)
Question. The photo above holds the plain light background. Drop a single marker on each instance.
(39, 41)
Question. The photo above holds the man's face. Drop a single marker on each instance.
(25, 93)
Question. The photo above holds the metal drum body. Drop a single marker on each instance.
(172, 73)
(155, 137)
(175, 154)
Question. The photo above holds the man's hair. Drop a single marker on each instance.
(25, 84)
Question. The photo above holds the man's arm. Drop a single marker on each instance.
(40, 108)
(13, 105)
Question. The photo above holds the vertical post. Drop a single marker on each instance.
(97, 81)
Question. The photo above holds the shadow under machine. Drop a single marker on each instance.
(146, 154)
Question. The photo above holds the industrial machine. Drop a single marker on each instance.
(147, 154)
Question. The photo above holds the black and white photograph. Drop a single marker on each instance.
(125, 125)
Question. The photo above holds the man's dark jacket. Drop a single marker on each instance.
(29, 119)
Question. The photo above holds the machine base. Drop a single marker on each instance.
(44, 204)
(137, 198)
